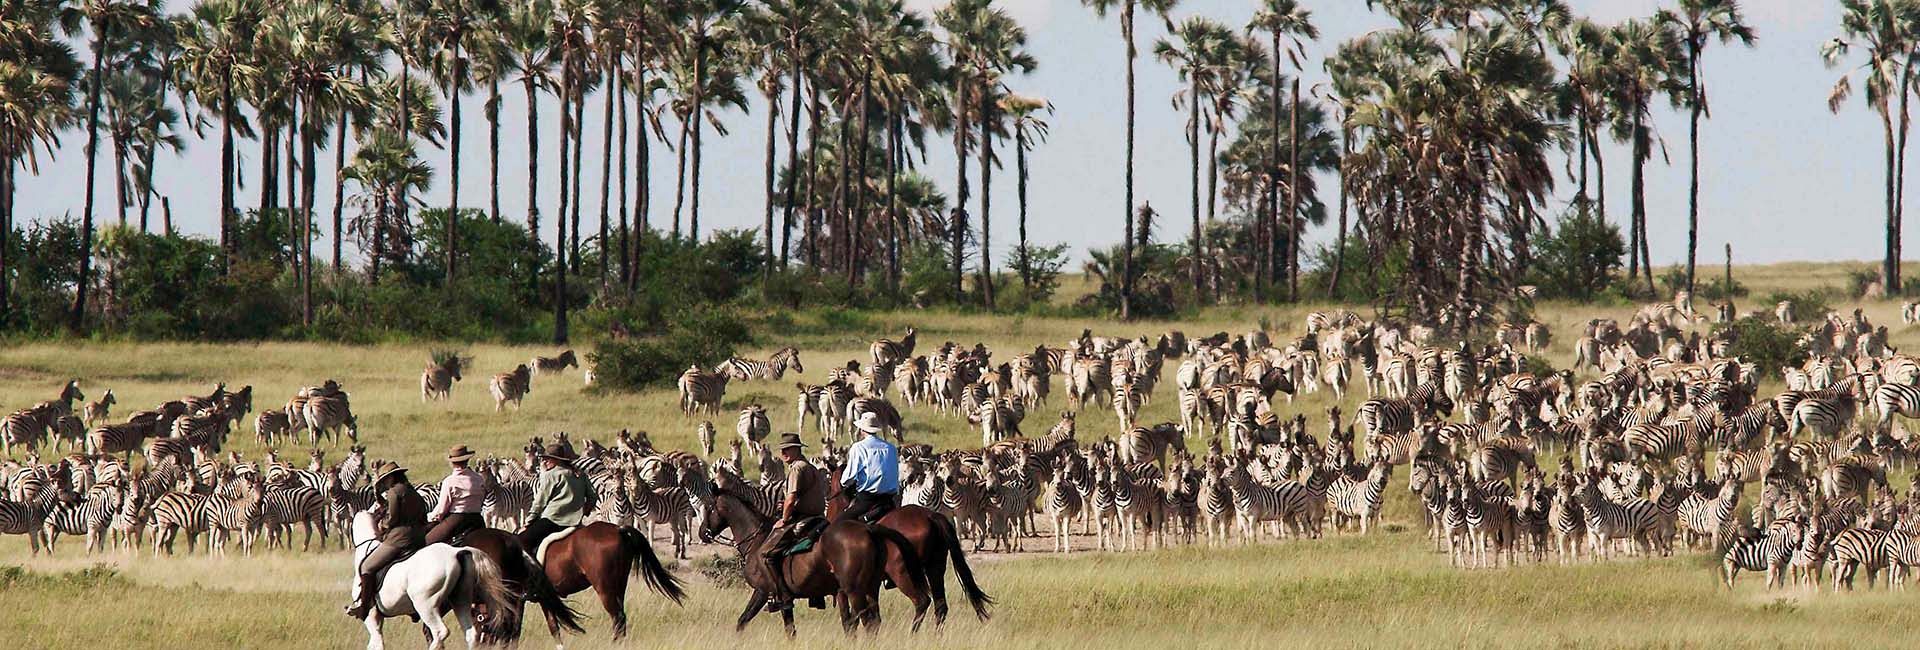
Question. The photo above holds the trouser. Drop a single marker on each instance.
(867, 507)
(454, 525)
(536, 532)
(382, 556)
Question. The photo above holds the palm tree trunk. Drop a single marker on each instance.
(1640, 153)
(1293, 196)
(6, 233)
(1599, 164)
(893, 203)
(560, 218)
(812, 233)
(680, 173)
(1693, 158)
(120, 182)
(626, 233)
(453, 90)
(533, 180)
(1890, 270)
(579, 171)
(269, 167)
(1193, 176)
(1126, 245)
(77, 321)
(793, 161)
(1213, 198)
(1580, 122)
(773, 121)
(1340, 242)
(1894, 284)
(493, 149)
(1020, 165)
(606, 164)
(699, 111)
(339, 187)
(843, 232)
(226, 170)
(860, 213)
(309, 173)
(959, 225)
(986, 195)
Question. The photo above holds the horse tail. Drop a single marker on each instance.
(656, 574)
(540, 590)
(916, 569)
(975, 597)
(487, 586)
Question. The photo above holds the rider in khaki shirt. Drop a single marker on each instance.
(806, 498)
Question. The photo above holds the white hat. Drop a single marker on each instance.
(868, 422)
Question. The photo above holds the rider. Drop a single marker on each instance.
(561, 497)
(872, 477)
(405, 520)
(462, 494)
(806, 498)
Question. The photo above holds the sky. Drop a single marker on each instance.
(1782, 178)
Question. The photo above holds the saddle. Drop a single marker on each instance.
(541, 555)
(804, 534)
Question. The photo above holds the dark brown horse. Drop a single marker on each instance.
(935, 540)
(523, 577)
(847, 562)
(601, 555)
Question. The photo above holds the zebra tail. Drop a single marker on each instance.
(975, 597)
(656, 574)
(540, 590)
(490, 588)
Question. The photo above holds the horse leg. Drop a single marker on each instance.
(755, 602)
(435, 628)
(374, 642)
(935, 565)
(786, 617)
(849, 621)
(613, 598)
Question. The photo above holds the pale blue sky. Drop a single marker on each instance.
(1783, 179)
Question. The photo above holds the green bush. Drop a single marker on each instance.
(1807, 305)
(1578, 258)
(1762, 341)
(697, 337)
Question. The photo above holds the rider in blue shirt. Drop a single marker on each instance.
(872, 475)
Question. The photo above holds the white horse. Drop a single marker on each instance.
(433, 581)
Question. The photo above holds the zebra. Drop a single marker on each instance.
(704, 434)
(1710, 517)
(701, 391)
(887, 352)
(96, 411)
(1138, 507)
(1666, 442)
(1126, 404)
(1394, 415)
(1062, 503)
(832, 402)
(68, 431)
(230, 514)
(281, 507)
(121, 438)
(511, 386)
(1492, 523)
(671, 506)
(773, 368)
(1824, 417)
(999, 419)
(753, 425)
(1359, 499)
(328, 415)
(555, 364)
(1892, 399)
(1636, 520)
(436, 382)
(1853, 549)
(1150, 444)
(26, 427)
(343, 499)
(90, 516)
(1568, 522)
(270, 423)
(175, 513)
(1770, 553)
(510, 496)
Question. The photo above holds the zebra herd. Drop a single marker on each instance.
(510, 387)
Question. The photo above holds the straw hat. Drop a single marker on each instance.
(558, 453)
(459, 453)
(791, 440)
(868, 422)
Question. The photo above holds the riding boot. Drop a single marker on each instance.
(782, 598)
(364, 597)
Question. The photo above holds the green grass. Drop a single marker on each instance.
(1387, 589)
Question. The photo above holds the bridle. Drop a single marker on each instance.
(761, 522)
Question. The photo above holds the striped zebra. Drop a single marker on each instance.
(1892, 399)
(1139, 507)
(1394, 415)
(1767, 553)
(701, 391)
(1637, 520)
(291, 503)
(753, 426)
(1665, 442)
(913, 378)
(1742, 430)
(1902, 551)
(511, 386)
(26, 427)
(270, 423)
(887, 352)
(1568, 521)
(671, 506)
(509, 497)
(1492, 524)
(89, 517)
(1823, 417)
(436, 381)
(1853, 549)
(68, 431)
(175, 513)
(96, 411)
(1358, 499)
(1150, 444)
(999, 419)
(121, 438)
(1062, 503)
(1126, 404)
(773, 368)
(328, 415)
(832, 405)
(1710, 517)
(232, 512)
(554, 364)
(344, 499)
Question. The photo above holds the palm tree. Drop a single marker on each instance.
(524, 34)
(1698, 21)
(1588, 51)
(215, 39)
(1885, 29)
(788, 31)
(107, 21)
(384, 164)
(448, 31)
(140, 123)
(1194, 51)
(1646, 63)
(571, 23)
(1127, 9)
(37, 77)
(1029, 128)
(1285, 23)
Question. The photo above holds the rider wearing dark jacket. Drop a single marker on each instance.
(405, 526)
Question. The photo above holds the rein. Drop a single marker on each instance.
(761, 523)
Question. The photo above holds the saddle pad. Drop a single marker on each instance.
(542, 554)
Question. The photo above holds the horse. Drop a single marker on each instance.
(523, 576)
(936, 541)
(601, 555)
(433, 581)
(848, 562)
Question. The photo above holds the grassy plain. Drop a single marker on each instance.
(1342, 591)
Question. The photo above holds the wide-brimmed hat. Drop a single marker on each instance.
(459, 453)
(391, 470)
(868, 422)
(558, 453)
(791, 440)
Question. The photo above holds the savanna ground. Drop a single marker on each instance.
(1388, 588)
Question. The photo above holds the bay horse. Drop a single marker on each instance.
(523, 576)
(936, 541)
(847, 562)
(601, 555)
